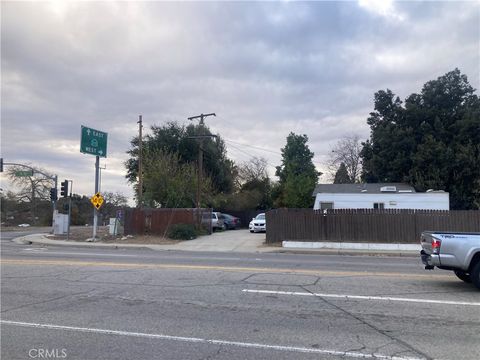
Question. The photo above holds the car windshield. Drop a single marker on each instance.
(260, 217)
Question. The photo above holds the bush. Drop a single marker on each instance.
(182, 232)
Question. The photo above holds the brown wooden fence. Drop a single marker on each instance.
(365, 225)
(158, 221)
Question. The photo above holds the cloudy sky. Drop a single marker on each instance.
(265, 69)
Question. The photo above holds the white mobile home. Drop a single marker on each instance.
(378, 196)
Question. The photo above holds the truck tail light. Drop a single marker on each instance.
(436, 246)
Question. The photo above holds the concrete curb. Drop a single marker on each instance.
(21, 240)
(348, 252)
(42, 240)
(351, 246)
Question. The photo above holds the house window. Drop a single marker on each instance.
(378, 205)
(326, 205)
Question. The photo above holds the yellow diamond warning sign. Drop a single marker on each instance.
(97, 200)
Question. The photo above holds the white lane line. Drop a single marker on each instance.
(359, 297)
(209, 341)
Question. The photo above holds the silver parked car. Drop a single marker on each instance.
(217, 221)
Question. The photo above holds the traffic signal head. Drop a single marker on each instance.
(53, 194)
(64, 188)
(1, 164)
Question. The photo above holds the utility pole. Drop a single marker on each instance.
(200, 137)
(140, 175)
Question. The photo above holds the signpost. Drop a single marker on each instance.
(94, 142)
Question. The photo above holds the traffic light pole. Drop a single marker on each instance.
(54, 203)
(95, 212)
(55, 178)
(69, 209)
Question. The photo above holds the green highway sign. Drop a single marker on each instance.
(93, 142)
(23, 173)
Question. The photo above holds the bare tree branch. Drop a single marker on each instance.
(255, 169)
(30, 187)
(347, 151)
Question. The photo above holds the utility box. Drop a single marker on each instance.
(115, 228)
(60, 223)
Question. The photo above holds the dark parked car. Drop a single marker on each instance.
(231, 222)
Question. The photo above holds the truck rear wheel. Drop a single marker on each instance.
(475, 274)
(462, 275)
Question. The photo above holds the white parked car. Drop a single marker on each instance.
(23, 225)
(258, 224)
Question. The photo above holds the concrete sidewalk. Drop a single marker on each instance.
(231, 241)
(239, 241)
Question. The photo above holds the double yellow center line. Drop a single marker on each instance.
(109, 264)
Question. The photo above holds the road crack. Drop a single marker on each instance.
(363, 321)
(46, 301)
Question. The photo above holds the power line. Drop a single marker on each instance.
(253, 147)
(230, 142)
(259, 148)
(252, 156)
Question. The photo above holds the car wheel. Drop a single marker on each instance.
(462, 275)
(475, 274)
(251, 231)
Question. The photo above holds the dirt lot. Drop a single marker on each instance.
(82, 233)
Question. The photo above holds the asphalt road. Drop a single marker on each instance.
(76, 303)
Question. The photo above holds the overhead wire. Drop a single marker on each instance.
(250, 155)
(257, 147)
(251, 146)
(235, 146)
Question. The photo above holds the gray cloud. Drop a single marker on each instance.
(265, 68)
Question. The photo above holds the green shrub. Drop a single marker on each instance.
(182, 232)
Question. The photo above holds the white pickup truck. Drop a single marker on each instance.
(459, 252)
